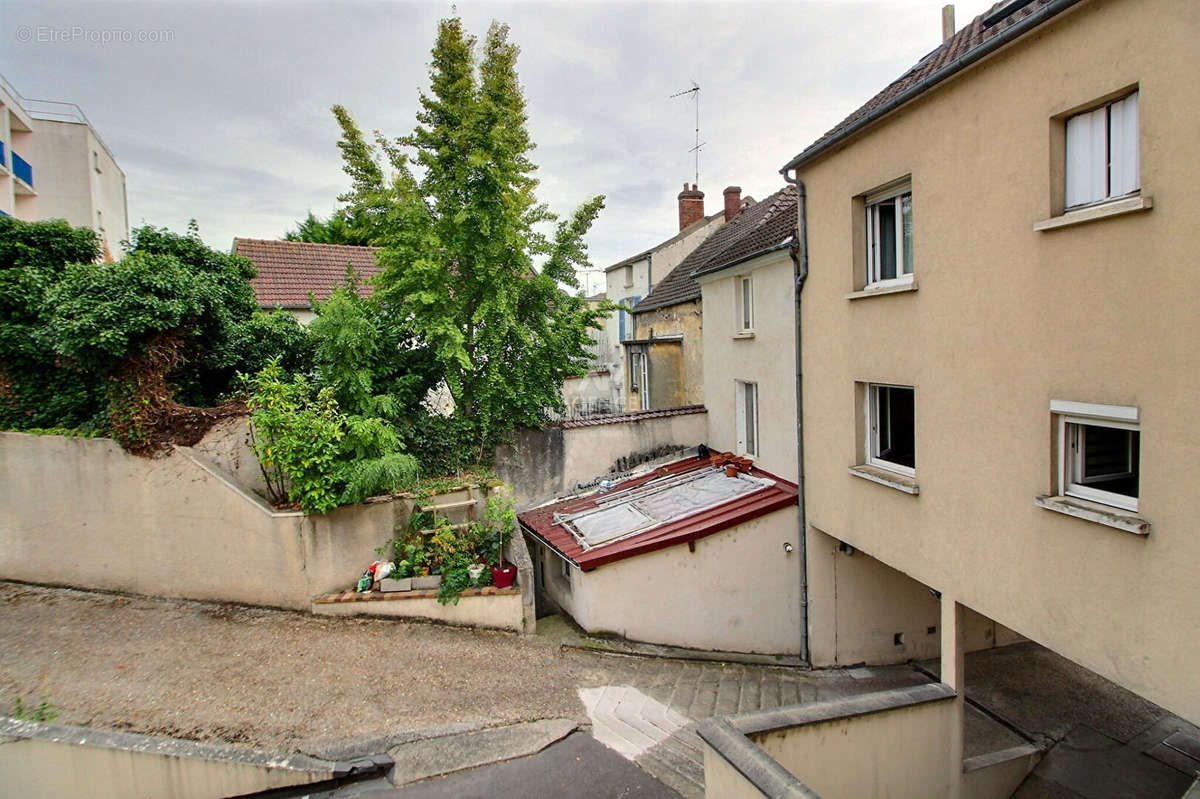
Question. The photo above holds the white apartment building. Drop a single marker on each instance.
(53, 165)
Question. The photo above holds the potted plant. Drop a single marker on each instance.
(401, 578)
(502, 523)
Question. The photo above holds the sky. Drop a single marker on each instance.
(220, 111)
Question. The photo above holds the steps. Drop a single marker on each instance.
(649, 711)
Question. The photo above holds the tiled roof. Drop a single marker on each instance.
(631, 416)
(956, 47)
(288, 271)
(701, 222)
(758, 227)
(541, 523)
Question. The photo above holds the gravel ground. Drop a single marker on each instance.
(273, 679)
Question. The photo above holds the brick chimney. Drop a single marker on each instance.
(691, 206)
(733, 201)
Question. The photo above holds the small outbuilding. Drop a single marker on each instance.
(699, 553)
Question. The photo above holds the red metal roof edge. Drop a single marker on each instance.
(539, 522)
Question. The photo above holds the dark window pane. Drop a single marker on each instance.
(895, 417)
(1110, 459)
(887, 239)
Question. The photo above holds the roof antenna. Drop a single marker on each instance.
(695, 92)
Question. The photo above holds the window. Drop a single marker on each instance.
(889, 236)
(627, 275)
(891, 440)
(745, 300)
(746, 401)
(625, 318)
(1098, 452)
(635, 370)
(1102, 153)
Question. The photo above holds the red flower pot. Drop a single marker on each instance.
(504, 575)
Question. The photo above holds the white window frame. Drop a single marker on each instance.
(748, 440)
(1070, 416)
(872, 203)
(745, 303)
(1103, 154)
(873, 443)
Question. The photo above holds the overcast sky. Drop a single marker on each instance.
(221, 111)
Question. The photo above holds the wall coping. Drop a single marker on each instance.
(749, 760)
(388, 596)
(631, 416)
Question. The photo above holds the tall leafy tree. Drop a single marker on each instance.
(462, 231)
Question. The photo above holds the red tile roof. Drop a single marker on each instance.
(288, 271)
(540, 523)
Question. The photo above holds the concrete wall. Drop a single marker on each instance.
(593, 392)
(543, 464)
(1007, 318)
(768, 358)
(498, 611)
(737, 592)
(83, 512)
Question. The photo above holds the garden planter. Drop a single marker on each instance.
(389, 584)
(474, 570)
(503, 576)
(426, 583)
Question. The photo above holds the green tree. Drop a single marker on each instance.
(342, 227)
(36, 390)
(461, 240)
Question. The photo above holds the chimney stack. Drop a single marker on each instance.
(947, 22)
(733, 201)
(691, 206)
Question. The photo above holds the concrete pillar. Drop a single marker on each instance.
(953, 673)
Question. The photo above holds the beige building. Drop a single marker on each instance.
(54, 165)
(629, 280)
(997, 302)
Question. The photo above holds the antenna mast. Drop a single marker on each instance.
(695, 92)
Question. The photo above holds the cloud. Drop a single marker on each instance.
(229, 122)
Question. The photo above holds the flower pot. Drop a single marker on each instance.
(474, 570)
(389, 584)
(426, 583)
(504, 575)
(731, 470)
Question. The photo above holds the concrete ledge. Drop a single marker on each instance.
(879, 292)
(1092, 213)
(502, 610)
(432, 757)
(380, 596)
(885, 478)
(1094, 512)
(1002, 756)
(749, 760)
(798, 715)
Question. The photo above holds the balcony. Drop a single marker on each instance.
(3, 160)
(23, 172)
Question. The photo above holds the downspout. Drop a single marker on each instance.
(799, 253)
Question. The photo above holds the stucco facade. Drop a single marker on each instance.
(670, 338)
(1007, 315)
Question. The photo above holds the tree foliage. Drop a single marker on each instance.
(342, 227)
(36, 390)
(461, 228)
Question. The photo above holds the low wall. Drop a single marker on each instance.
(83, 512)
(53, 761)
(543, 464)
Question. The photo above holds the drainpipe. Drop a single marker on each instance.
(799, 253)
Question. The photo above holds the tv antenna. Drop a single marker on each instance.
(695, 92)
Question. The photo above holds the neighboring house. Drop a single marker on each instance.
(54, 165)
(1000, 301)
(290, 272)
(664, 355)
(628, 281)
(683, 555)
(745, 274)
